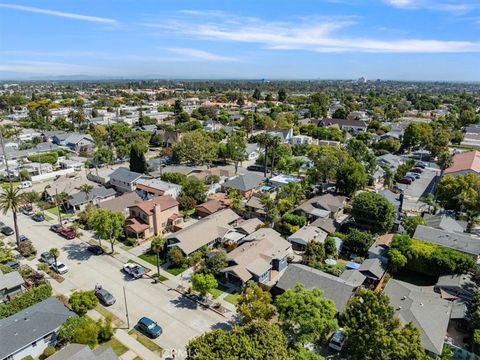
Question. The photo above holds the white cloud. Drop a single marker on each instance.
(322, 35)
(49, 68)
(199, 54)
(59, 13)
(455, 7)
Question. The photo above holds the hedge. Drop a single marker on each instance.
(50, 158)
(431, 259)
(25, 300)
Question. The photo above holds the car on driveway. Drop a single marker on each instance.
(105, 297)
(56, 228)
(7, 230)
(47, 258)
(59, 268)
(38, 217)
(68, 233)
(149, 327)
(134, 270)
(95, 249)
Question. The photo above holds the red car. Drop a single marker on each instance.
(68, 233)
(405, 181)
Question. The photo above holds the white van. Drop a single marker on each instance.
(25, 184)
(337, 340)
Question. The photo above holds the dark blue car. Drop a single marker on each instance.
(149, 327)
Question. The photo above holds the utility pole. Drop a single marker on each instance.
(126, 307)
(58, 207)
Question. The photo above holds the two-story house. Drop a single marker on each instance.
(153, 217)
(124, 180)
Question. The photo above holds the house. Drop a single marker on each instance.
(100, 176)
(301, 139)
(11, 285)
(338, 290)
(300, 238)
(245, 185)
(464, 163)
(389, 160)
(373, 269)
(379, 249)
(327, 205)
(28, 134)
(260, 257)
(252, 152)
(353, 126)
(281, 180)
(121, 203)
(444, 222)
(80, 200)
(65, 184)
(255, 208)
(171, 137)
(425, 309)
(457, 241)
(249, 226)
(148, 188)
(472, 136)
(30, 331)
(285, 136)
(455, 286)
(75, 142)
(125, 180)
(70, 164)
(153, 217)
(83, 352)
(393, 198)
(205, 232)
(49, 136)
(208, 208)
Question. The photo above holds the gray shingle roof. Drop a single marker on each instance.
(31, 324)
(83, 352)
(83, 198)
(125, 175)
(245, 182)
(444, 222)
(10, 280)
(457, 241)
(334, 288)
(373, 268)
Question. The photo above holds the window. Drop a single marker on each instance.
(34, 344)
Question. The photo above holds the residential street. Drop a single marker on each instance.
(180, 318)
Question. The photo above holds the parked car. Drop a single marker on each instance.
(421, 164)
(47, 258)
(14, 265)
(23, 238)
(415, 175)
(406, 181)
(38, 217)
(417, 170)
(411, 177)
(134, 270)
(56, 228)
(59, 268)
(27, 210)
(25, 184)
(95, 249)
(7, 230)
(105, 297)
(68, 233)
(149, 327)
(255, 168)
(338, 340)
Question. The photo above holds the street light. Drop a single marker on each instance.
(126, 306)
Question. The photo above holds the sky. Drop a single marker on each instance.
(241, 39)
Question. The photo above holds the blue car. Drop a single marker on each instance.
(149, 327)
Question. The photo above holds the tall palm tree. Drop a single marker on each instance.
(157, 246)
(12, 200)
(274, 142)
(87, 189)
(264, 141)
(55, 253)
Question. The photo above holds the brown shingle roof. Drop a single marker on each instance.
(469, 160)
(165, 202)
(210, 206)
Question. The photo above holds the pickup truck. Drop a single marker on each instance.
(134, 270)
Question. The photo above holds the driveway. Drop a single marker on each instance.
(420, 188)
(180, 318)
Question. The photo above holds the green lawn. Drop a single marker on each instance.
(150, 258)
(232, 298)
(54, 211)
(160, 277)
(117, 322)
(187, 212)
(218, 291)
(7, 184)
(118, 348)
(145, 341)
(176, 270)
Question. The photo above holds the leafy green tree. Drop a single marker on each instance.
(282, 95)
(468, 117)
(203, 283)
(194, 188)
(107, 225)
(327, 160)
(215, 263)
(314, 253)
(255, 304)
(176, 257)
(236, 148)
(330, 248)
(196, 148)
(359, 241)
(357, 149)
(340, 113)
(103, 155)
(389, 144)
(417, 134)
(257, 340)
(397, 260)
(12, 200)
(31, 197)
(173, 177)
(373, 210)
(351, 177)
(138, 163)
(83, 301)
(410, 224)
(306, 316)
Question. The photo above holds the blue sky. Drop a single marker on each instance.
(275, 39)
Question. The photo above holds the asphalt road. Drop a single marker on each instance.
(180, 318)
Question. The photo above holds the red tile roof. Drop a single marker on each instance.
(165, 202)
(135, 226)
(465, 161)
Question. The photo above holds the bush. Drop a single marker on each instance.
(26, 248)
(176, 257)
(173, 177)
(47, 158)
(410, 224)
(80, 330)
(43, 267)
(293, 219)
(25, 300)
(49, 351)
(105, 330)
(82, 301)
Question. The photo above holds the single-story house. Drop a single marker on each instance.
(338, 290)
(11, 285)
(252, 152)
(281, 180)
(148, 188)
(80, 200)
(327, 205)
(464, 163)
(456, 286)
(100, 176)
(125, 180)
(390, 160)
(328, 225)
(374, 270)
(30, 331)
(249, 226)
(83, 352)
(379, 249)
(66, 183)
(444, 222)
(348, 125)
(70, 164)
(285, 136)
(121, 203)
(255, 207)
(300, 238)
(301, 139)
(75, 142)
(208, 208)
(425, 309)
(246, 184)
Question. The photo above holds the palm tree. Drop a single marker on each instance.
(264, 141)
(12, 200)
(87, 189)
(55, 253)
(274, 142)
(157, 246)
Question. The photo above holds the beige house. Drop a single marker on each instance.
(153, 217)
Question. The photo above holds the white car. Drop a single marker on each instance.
(134, 270)
(25, 184)
(337, 340)
(60, 268)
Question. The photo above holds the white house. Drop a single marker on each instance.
(301, 139)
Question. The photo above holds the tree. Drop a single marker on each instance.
(195, 147)
(82, 301)
(306, 316)
(236, 148)
(444, 159)
(340, 113)
(203, 283)
(178, 108)
(397, 260)
(330, 248)
(359, 241)
(215, 263)
(373, 210)
(258, 340)
(257, 95)
(326, 160)
(138, 163)
(103, 155)
(26, 248)
(370, 325)
(314, 253)
(86, 188)
(194, 188)
(107, 225)
(176, 257)
(357, 149)
(282, 95)
(12, 200)
(255, 304)
(410, 224)
(351, 177)
(105, 329)
(31, 197)
(157, 246)
(55, 253)
(468, 117)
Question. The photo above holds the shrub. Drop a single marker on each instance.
(43, 267)
(26, 248)
(49, 351)
(173, 177)
(81, 330)
(105, 330)
(82, 301)
(50, 158)
(293, 219)
(176, 257)
(25, 300)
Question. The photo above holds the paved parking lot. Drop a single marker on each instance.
(420, 188)
(180, 318)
